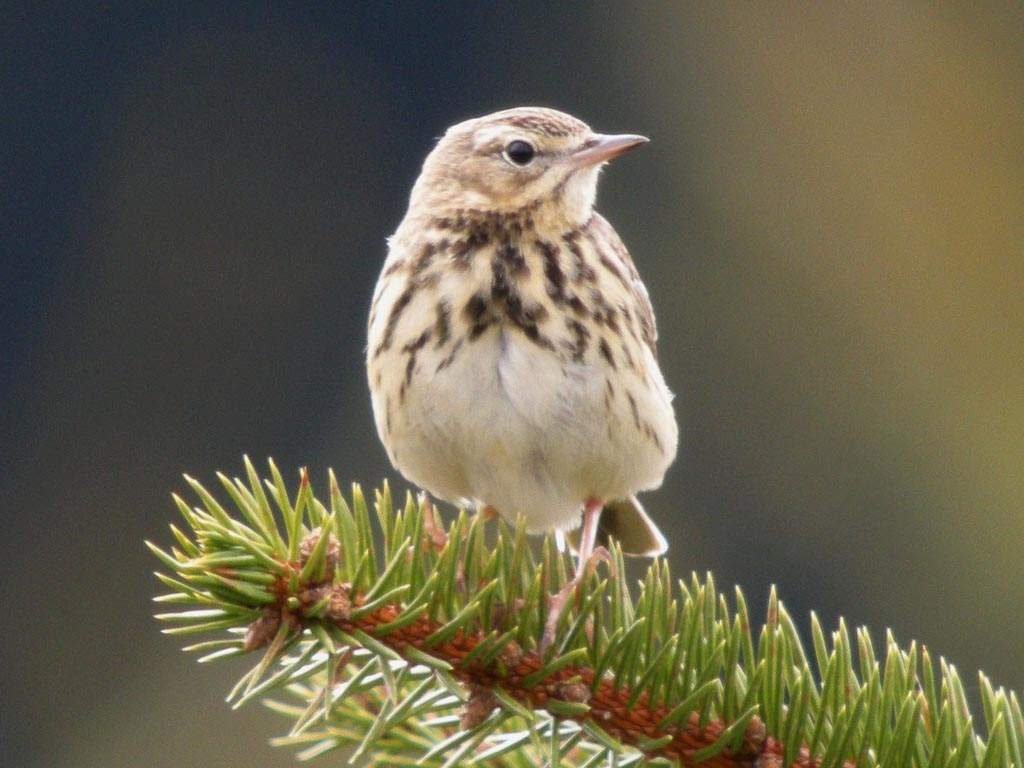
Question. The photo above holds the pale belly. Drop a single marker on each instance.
(509, 424)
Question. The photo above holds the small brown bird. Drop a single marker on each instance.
(511, 354)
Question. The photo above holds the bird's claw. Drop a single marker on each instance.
(433, 528)
(558, 601)
(600, 555)
(556, 604)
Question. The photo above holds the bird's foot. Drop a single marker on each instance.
(556, 604)
(433, 528)
(599, 555)
(558, 601)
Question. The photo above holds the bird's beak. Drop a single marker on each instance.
(601, 148)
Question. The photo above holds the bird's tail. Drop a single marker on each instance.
(626, 521)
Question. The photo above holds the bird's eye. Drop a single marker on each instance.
(519, 152)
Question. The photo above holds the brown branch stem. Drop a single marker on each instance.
(609, 707)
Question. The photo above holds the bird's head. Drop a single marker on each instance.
(516, 159)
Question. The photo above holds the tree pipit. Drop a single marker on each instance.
(511, 352)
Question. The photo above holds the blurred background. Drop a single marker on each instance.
(830, 218)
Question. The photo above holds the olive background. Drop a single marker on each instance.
(829, 217)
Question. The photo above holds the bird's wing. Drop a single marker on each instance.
(641, 299)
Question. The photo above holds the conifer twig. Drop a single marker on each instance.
(409, 643)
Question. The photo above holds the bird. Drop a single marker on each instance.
(512, 346)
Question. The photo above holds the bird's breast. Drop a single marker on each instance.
(547, 322)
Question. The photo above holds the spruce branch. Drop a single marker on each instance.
(405, 642)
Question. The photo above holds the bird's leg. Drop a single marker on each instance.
(586, 552)
(591, 517)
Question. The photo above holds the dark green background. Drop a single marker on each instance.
(830, 218)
